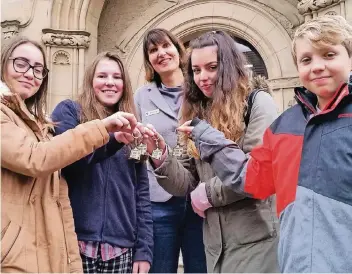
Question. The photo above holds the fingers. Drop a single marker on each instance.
(150, 127)
(144, 267)
(135, 268)
(185, 129)
(149, 133)
(145, 131)
(155, 133)
(128, 119)
(197, 211)
(187, 123)
(123, 137)
(138, 132)
(141, 267)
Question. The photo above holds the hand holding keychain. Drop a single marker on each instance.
(142, 148)
(139, 148)
(135, 153)
(157, 152)
(178, 149)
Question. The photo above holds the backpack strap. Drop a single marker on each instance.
(250, 102)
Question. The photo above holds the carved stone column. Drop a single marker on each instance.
(283, 89)
(313, 8)
(65, 54)
(9, 29)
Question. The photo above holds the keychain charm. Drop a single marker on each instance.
(178, 149)
(142, 148)
(135, 153)
(157, 153)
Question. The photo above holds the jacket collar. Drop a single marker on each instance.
(309, 100)
(14, 102)
(158, 100)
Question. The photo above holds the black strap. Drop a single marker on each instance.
(250, 102)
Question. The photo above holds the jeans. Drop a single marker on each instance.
(177, 227)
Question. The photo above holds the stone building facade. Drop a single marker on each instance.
(74, 31)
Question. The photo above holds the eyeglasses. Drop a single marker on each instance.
(22, 66)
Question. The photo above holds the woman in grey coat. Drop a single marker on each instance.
(240, 234)
(175, 226)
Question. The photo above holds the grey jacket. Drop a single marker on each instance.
(153, 109)
(235, 223)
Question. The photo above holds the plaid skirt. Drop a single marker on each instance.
(120, 264)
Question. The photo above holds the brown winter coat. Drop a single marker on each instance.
(37, 229)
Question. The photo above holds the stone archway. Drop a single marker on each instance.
(265, 24)
(71, 38)
(266, 29)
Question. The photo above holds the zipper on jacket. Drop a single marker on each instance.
(306, 104)
(63, 226)
(104, 200)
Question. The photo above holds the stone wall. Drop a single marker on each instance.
(74, 31)
(116, 17)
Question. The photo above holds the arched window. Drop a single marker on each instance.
(253, 57)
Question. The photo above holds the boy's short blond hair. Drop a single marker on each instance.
(325, 30)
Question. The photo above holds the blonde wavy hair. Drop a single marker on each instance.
(224, 111)
(324, 30)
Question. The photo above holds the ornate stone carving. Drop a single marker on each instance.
(331, 13)
(125, 42)
(305, 6)
(61, 57)
(279, 17)
(10, 29)
(285, 82)
(61, 38)
(13, 21)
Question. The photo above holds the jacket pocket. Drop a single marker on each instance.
(253, 223)
(9, 235)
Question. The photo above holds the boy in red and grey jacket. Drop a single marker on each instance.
(306, 155)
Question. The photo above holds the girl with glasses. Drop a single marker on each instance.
(22, 65)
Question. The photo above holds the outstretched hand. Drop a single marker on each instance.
(120, 121)
(151, 141)
(139, 131)
(186, 128)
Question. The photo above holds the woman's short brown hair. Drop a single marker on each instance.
(155, 37)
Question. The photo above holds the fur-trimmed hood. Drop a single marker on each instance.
(260, 82)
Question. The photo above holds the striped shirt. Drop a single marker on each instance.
(90, 249)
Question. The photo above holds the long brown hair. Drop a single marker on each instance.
(156, 37)
(91, 108)
(224, 111)
(37, 103)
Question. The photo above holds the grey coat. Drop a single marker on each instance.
(153, 109)
(240, 234)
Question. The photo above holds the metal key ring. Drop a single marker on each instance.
(136, 137)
